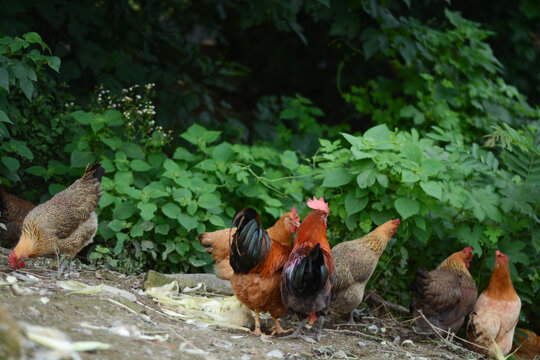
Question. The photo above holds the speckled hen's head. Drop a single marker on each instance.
(15, 261)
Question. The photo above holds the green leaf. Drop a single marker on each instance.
(36, 170)
(27, 87)
(56, 188)
(197, 134)
(188, 222)
(406, 207)
(155, 190)
(337, 177)
(171, 210)
(4, 79)
(207, 164)
(289, 160)
(209, 201)
(379, 132)
(217, 221)
(11, 163)
(354, 204)
(120, 240)
(147, 210)
(222, 152)
(132, 150)
(124, 210)
(106, 200)
(21, 149)
(432, 188)
(162, 229)
(117, 225)
(80, 159)
(123, 178)
(82, 117)
(367, 177)
(140, 165)
(412, 152)
(182, 154)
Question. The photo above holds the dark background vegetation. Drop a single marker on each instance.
(449, 89)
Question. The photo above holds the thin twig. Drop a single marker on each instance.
(373, 298)
(438, 331)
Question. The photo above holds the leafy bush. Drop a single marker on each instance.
(448, 78)
(21, 64)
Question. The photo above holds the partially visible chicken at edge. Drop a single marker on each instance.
(13, 211)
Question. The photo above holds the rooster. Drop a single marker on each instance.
(307, 277)
(257, 258)
(217, 242)
(12, 213)
(444, 295)
(355, 262)
(64, 224)
(496, 313)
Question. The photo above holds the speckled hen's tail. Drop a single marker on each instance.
(95, 171)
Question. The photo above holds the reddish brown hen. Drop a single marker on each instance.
(217, 242)
(529, 344)
(444, 295)
(496, 313)
(13, 210)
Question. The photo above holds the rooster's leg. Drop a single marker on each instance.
(278, 329)
(321, 322)
(298, 331)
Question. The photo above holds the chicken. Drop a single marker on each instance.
(306, 280)
(12, 213)
(217, 242)
(355, 262)
(496, 313)
(64, 224)
(257, 258)
(444, 295)
(529, 345)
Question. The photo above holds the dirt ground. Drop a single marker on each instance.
(37, 299)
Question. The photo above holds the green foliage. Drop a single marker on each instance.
(21, 63)
(448, 78)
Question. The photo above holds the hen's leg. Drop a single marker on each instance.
(278, 329)
(63, 265)
(298, 331)
(351, 318)
(257, 330)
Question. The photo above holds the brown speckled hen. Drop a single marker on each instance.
(444, 295)
(355, 262)
(64, 224)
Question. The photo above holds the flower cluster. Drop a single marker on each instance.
(139, 112)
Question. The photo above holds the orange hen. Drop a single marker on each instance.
(496, 313)
(217, 242)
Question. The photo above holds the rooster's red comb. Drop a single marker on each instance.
(294, 214)
(318, 204)
(501, 255)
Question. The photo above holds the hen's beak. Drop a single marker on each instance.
(296, 224)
